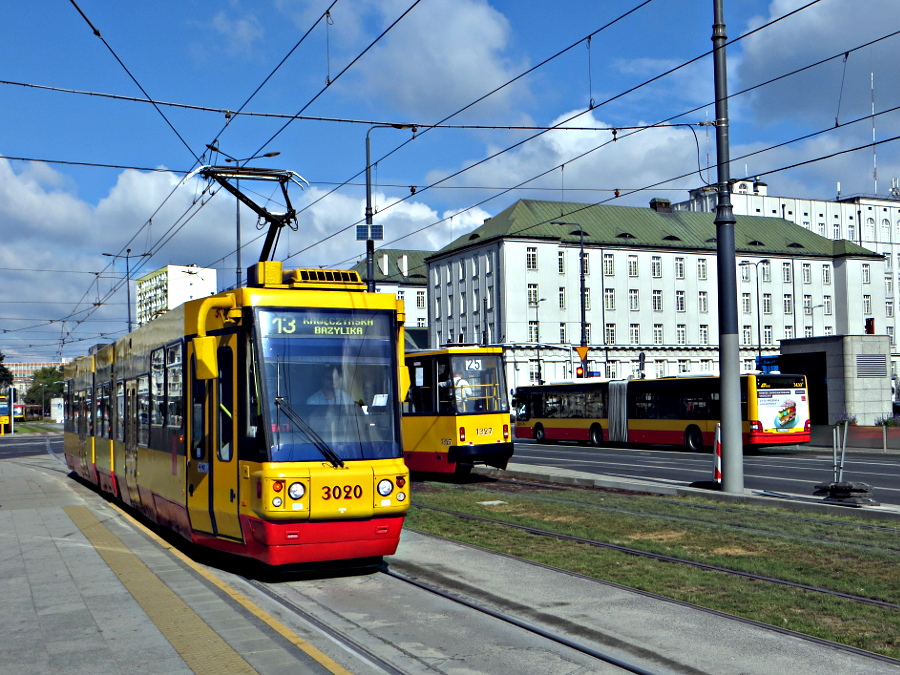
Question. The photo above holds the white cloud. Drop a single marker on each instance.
(443, 54)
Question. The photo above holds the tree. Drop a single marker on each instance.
(45, 384)
(6, 377)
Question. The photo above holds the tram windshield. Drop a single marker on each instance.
(456, 384)
(328, 384)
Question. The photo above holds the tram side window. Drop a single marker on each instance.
(421, 397)
(143, 410)
(89, 411)
(103, 411)
(157, 388)
(225, 383)
(198, 415)
(120, 410)
(174, 387)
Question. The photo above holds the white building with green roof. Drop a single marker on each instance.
(650, 288)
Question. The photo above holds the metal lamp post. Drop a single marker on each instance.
(747, 263)
(537, 320)
(237, 185)
(128, 258)
(581, 285)
(370, 240)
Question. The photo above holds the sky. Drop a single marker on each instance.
(89, 165)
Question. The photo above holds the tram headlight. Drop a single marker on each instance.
(277, 502)
(401, 496)
(296, 490)
(385, 487)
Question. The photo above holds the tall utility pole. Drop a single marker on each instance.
(128, 258)
(581, 289)
(729, 354)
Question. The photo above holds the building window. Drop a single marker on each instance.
(806, 273)
(679, 301)
(706, 365)
(587, 334)
(587, 299)
(657, 334)
(746, 336)
(867, 304)
(889, 308)
(701, 269)
(476, 294)
(532, 295)
(767, 335)
(437, 309)
(656, 267)
(561, 261)
(449, 305)
(745, 270)
(531, 258)
(837, 231)
(746, 307)
(421, 323)
(562, 334)
(766, 268)
(562, 297)
(826, 274)
(657, 301)
(851, 232)
(866, 273)
(533, 372)
(826, 305)
(610, 334)
(788, 303)
(632, 265)
(400, 295)
(612, 369)
(703, 302)
(788, 332)
(786, 272)
(462, 270)
(609, 298)
(533, 331)
(586, 263)
(420, 299)
(609, 268)
(679, 268)
(807, 304)
(704, 334)
(660, 367)
(474, 266)
(681, 334)
(807, 331)
(488, 259)
(889, 286)
(890, 333)
(489, 298)
(767, 303)
(749, 364)
(829, 330)
(462, 303)
(634, 299)
(634, 334)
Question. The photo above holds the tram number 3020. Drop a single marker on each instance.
(342, 492)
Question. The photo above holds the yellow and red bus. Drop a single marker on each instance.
(456, 414)
(681, 410)
(263, 421)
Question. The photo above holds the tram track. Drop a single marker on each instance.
(662, 557)
(709, 522)
(725, 615)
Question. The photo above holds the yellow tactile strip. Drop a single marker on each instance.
(202, 649)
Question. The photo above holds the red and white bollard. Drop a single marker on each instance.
(717, 450)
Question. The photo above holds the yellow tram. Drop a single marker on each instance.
(456, 414)
(263, 421)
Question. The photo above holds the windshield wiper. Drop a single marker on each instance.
(310, 433)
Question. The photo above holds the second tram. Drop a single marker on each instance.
(456, 414)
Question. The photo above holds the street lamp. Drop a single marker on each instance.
(747, 263)
(581, 286)
(370, 239)
(537, 320)
(237, 185)
(127, 257)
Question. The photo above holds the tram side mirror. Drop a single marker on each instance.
(207, 367)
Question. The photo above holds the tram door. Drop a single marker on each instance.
(131, 440)
(212, 474)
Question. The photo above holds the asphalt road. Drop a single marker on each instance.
(779, 469)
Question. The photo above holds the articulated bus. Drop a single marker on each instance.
(262, 421)
(681, 410)
(456, 414)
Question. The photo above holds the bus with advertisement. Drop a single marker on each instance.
(679, 410)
